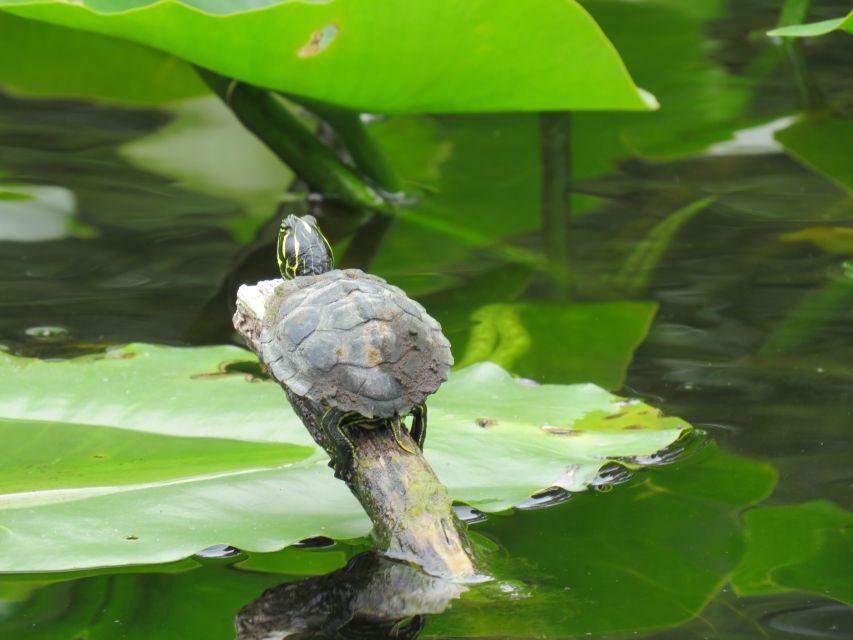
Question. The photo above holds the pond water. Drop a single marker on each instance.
(729, 213)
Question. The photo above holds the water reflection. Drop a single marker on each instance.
(371, 597)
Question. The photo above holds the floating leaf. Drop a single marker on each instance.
(383, 56)
(815, 28)
(806, 547)
(492, 440)
(672, 535)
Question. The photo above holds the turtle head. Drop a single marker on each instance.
(302, 248)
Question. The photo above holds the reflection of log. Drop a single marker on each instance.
(410, 509)
(372, 597)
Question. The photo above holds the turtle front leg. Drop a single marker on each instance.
(419, 425)
(397, 427)
(342, 456)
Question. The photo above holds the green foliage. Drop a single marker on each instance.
(37, 58)
(559, 342)
(806, 547)
(815, 28)
(148, 454)
(672, 535)
(672, 539)
(427, 57)
(830, 239)
(639, 266)
(818, 142)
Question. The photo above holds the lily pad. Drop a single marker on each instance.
(492, 440)
(806, 547)
(372, 57)
(815, 28)
(672, 535)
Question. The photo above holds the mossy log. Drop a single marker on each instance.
(410, 509)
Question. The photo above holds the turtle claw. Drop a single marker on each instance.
(342, 468)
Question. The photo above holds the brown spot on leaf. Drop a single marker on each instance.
(561, 431)
(99, 456)
(131, 537)
(319, 41)
(485, 423)
(120, 355)
(634, 427)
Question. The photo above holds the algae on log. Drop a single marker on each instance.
(410, 509)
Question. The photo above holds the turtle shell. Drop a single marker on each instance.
(350, 340)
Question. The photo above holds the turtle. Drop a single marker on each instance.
(349, 348)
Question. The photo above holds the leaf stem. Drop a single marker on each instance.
(555, 140)
(264, 115)
(372, 163)
(639, 266)
(366, 155)
(794, 12)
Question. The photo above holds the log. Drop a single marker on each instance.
(410, 508)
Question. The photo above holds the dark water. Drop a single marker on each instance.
(752, 340)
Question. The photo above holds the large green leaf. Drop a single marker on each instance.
(815, 28)
(384, 56)
(670, 538)
(492, 440)
(817, 142)
(807, 547)
(559, 342)
(37, 58)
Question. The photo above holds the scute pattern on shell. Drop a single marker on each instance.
(352, 341)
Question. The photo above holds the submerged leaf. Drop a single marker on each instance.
(559, 342)
(254, 479)
(807, 547)
(382, 56)
(639, 266)
(830, 239)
